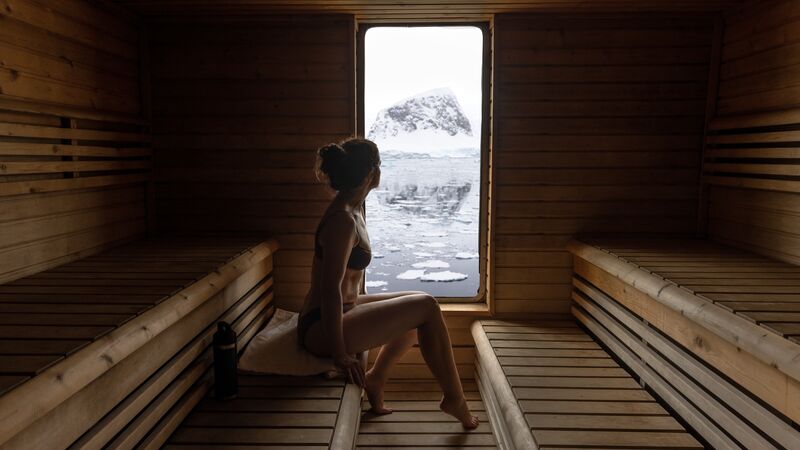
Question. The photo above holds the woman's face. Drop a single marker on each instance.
(376, 176)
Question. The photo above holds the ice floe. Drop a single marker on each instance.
(423, 254)
(466, 255)
(431, 264)
(443, 276)
(411, 274)
(435, 234)
(433, 244)
(377, 283)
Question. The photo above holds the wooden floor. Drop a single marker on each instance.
(47, 316)
(572, 394)
(417, 422)
(762, 290)
(270, 412)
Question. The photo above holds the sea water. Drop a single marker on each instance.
(423, 223)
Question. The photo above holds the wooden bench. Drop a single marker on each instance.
(274, 411)
(550, 385)
(711, 329)
(114, 349)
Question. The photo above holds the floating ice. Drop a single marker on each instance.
(466, 255)
(377, 255)
(431, 264)
(409, 245)
(435, 234)
(423, 254)
(410, 274)
(375, 283)
(443, 276)
(392, 248)
(433, 244)
(381, 273)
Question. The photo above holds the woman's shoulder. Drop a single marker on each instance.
(338, 221)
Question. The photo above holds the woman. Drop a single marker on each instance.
(337, 322)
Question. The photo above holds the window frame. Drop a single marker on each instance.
(486, 120)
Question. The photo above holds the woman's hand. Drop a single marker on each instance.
(352, 367)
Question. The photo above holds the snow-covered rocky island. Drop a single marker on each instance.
(423, 219)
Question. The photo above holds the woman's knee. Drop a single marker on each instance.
(430, 302)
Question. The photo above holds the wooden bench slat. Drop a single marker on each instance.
(687, 369)
(240, 435)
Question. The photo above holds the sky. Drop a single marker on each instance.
(400, 62)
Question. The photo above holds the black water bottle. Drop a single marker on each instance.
(225, 385)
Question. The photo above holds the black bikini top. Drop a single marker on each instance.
(359, 257)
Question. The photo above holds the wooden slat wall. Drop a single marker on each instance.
(753, 151)
(239, 110)
(598, 128)
(73, 147)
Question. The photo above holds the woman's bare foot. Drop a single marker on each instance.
(375, 394)
(459, 409)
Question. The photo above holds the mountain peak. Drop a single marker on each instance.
(432, 118)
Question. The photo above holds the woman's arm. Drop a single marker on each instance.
(337, 238)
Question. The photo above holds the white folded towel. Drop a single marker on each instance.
(276, 350)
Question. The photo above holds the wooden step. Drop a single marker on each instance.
(417, 422)
(274, 411)
(562, 390)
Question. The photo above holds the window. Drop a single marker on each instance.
(422, 100)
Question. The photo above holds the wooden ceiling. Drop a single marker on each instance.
(411, 10)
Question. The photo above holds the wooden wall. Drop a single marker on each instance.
(753, 149)
(598, 128)
(239, 110)
(73, 155)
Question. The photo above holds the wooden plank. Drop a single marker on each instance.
(58, 346)
(21, 168)
(8, 382)
(592, 407)
(649, 439)
(32, 131)
(669, 383)
(602, 422)
(743, 367)
(39, 186)
(18, 415)
(238, 316)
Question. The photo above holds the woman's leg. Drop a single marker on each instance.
(372, 324)
(388, 355)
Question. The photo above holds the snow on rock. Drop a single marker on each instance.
(375, 283)
(443, 276)
(411, 274)
(466, 255)
(430, 122)
(431, 264)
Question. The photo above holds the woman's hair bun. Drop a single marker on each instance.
(346, 165)
(332, 156)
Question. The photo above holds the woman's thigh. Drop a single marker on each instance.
(367, 298)
(375, 323)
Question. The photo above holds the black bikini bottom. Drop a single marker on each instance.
(304, 322)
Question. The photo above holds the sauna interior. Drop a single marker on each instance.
(640, 223)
